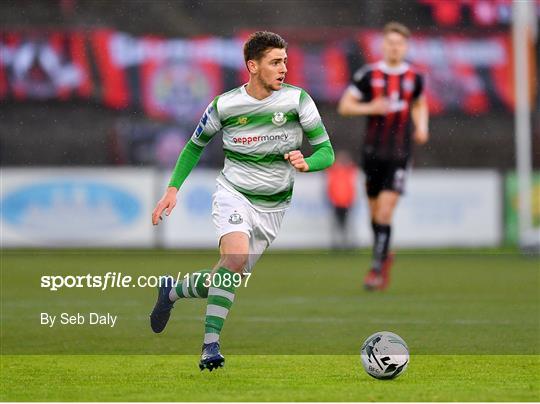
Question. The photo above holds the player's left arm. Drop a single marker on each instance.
(420, 113)
(311, 122)
(321, 158)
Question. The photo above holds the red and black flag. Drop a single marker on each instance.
(38, 65)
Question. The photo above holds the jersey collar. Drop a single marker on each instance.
(402, 68)
(255, 100)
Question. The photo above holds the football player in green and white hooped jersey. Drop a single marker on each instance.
(262, 124)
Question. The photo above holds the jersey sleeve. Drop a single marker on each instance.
(208, 126)
(418, 86)
(361, 86)
(311, 121)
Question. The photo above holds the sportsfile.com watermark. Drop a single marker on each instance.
(112, 280)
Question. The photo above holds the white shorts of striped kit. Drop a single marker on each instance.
(232, 212)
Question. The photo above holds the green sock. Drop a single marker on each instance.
(220, 300)
(193, 286)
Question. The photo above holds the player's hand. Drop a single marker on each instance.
(296, 158)
(167, 203)
(421, 136)
(379, 106)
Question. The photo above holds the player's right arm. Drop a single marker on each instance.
(208, 126)
(357, 100)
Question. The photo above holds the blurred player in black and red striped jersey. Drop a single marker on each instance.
(390, 93)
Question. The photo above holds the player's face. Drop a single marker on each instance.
(394, 47)
(271, 69)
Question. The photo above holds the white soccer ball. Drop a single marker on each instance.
(385, 355)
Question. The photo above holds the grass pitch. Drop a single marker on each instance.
(471, 320)
(266, 378)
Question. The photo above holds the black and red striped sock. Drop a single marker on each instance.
(381, 243)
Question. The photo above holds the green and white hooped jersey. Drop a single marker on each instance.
(256, 135)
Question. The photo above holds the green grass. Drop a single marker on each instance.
(470, 318)
(266, 378)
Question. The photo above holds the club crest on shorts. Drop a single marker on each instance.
(399, 179)
(279, 118)
(235, 218)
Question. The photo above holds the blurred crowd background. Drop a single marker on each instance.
(123, 83)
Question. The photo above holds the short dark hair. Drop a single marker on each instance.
(397, 27)
(259, 42)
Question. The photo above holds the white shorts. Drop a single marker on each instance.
(231, 212)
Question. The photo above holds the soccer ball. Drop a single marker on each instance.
(385, 355)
